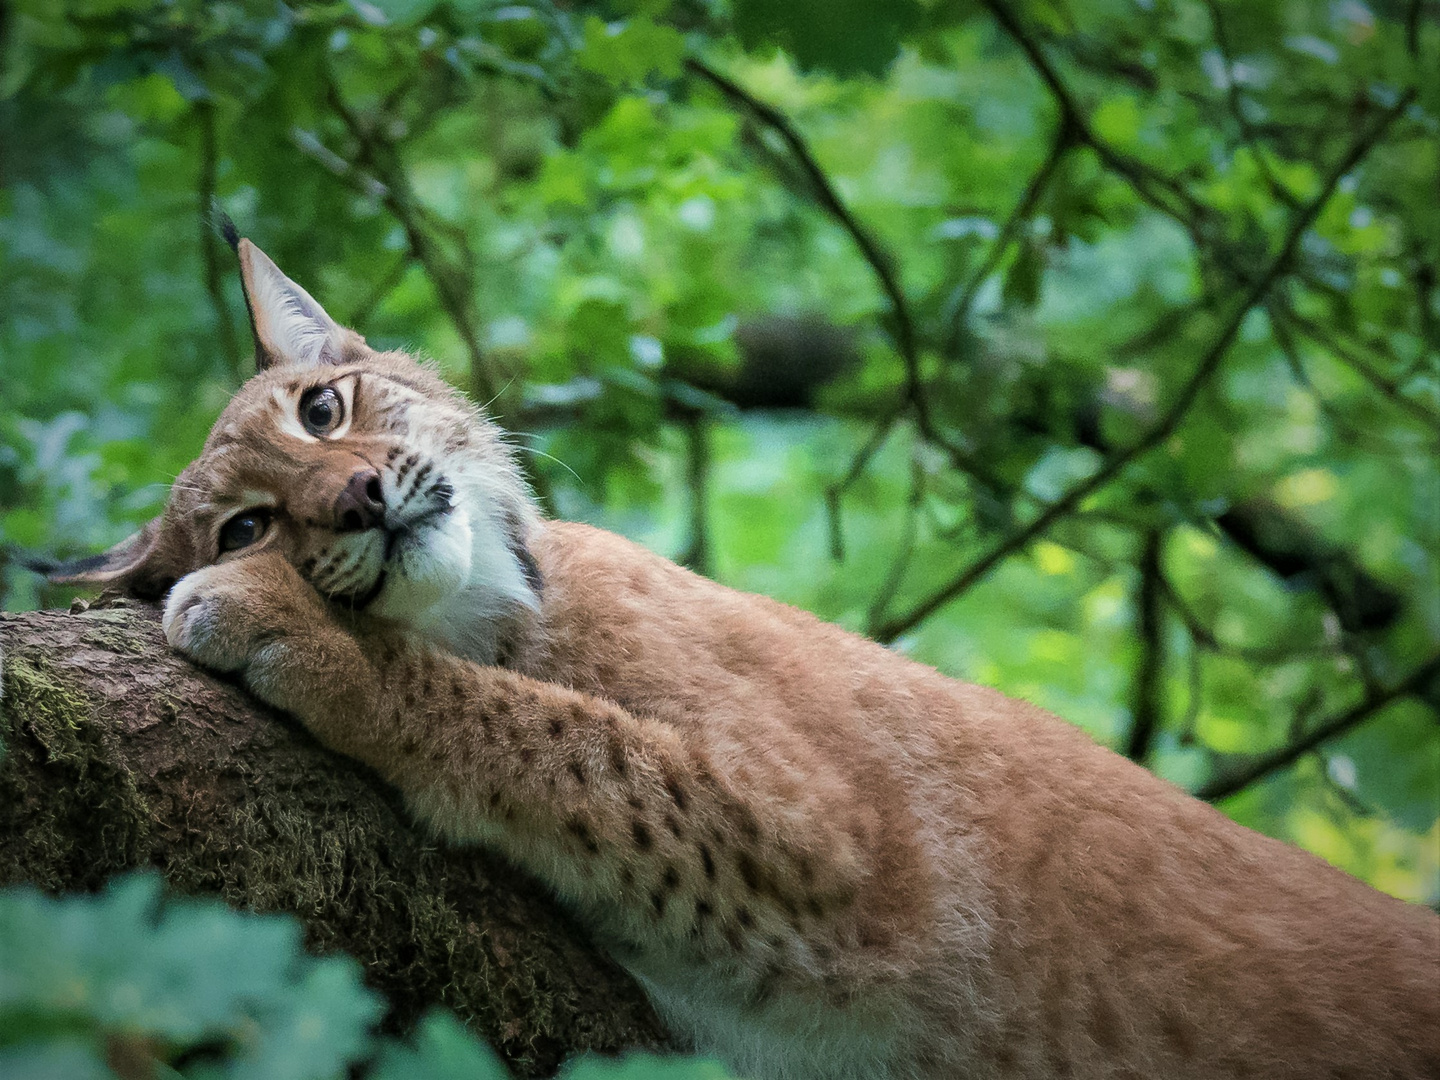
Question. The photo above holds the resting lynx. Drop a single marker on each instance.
(820, 859)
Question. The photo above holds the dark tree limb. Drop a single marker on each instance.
(1163, 192)
(905, 549)
(1248, 135)
(858, 463)
(903, 330)
(902, 324)
(121, 755)
(1239, 777)
(387, 183)
(1389, 387)
(1253, 295)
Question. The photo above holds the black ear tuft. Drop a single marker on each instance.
(137, 566)
(57, 570)
(221, 223)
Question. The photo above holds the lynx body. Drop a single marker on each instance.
(820, 859)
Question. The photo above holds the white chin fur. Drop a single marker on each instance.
(431, 568)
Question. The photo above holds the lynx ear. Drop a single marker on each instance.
(136, 566)
(290, 327)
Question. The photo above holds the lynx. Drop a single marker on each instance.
(819, 858)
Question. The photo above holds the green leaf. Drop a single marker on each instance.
(645, 1067)
(184, 972)
(1022, 280)
(842, 36)
(404, 12)
(68, 1060)
(442, 1050)
(629, 52)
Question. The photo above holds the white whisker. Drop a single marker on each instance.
(499, 393)
(552, 457)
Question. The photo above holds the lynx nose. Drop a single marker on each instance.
(361, 505)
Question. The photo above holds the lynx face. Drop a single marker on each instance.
(383, 487)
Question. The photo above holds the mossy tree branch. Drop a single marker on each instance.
(120, 755)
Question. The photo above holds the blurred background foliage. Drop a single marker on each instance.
(1089, 349)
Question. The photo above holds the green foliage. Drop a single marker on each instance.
(169, 988)
(843, 36)
(178, 975)
(566, 207)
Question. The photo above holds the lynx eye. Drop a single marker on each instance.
(244, 529)
(321, 410)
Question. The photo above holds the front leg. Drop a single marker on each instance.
(257, 618)
(618, 813)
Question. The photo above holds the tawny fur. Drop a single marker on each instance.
(821, 859)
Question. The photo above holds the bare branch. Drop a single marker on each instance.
(903, 331)
(1248, 135)
(1290, 349)
(1162, 191)
(383, 287)
(836, 491)
(1424, 278)
(1206, 639)
(905, 551)
(1240, 777)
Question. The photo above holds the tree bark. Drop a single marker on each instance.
(119, 754)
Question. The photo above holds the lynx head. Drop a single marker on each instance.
(386, 489)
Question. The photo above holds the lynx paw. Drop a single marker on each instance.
(229, 616)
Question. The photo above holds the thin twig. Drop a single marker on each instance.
(1147, 181)
(382, 288)
(903, 331)
(964, 296)
(1149, 630)
(1424, 277)
(906, 549)
(1351, 358)
(1290, 350)
(1207, 639)
(1248, 135)
(1195, 693)
(1162, 430)
(1240, 777)
(836, 491)
(697, 555)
